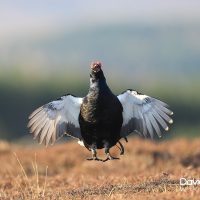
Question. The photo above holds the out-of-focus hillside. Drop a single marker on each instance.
(21, 97)
(160, 60)
(162, 47)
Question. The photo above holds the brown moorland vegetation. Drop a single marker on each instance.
(148, 170)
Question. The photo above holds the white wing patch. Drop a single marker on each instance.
(143, 114)
(55, 119)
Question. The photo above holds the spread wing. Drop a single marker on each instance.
(53, 120)
(143, 114)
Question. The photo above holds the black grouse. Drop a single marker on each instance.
(100, 119)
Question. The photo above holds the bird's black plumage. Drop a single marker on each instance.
(100, 114)
(100, 119)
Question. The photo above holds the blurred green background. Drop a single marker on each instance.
(150, 46)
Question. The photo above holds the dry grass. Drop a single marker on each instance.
(148, 170)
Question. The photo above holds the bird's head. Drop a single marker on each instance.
(96, 72)
(95, 66)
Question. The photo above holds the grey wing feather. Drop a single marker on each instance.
(51, 121)
(143, 114)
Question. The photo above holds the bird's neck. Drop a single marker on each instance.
(99, 86)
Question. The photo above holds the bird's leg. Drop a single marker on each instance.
(121, 148)
(94, 155)
(109, 157)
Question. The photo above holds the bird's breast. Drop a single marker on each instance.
(90, 109)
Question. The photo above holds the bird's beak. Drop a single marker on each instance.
(96, 68)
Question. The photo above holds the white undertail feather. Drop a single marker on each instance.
(80, 142)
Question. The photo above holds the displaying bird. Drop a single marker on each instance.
(100, 119)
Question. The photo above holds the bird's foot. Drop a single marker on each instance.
(94, 155)
(94, 158)
(109, 157)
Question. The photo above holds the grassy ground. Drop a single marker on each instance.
(148, 170)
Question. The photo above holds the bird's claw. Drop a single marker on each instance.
(94, 158)
(98, 159)
(110, 158)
